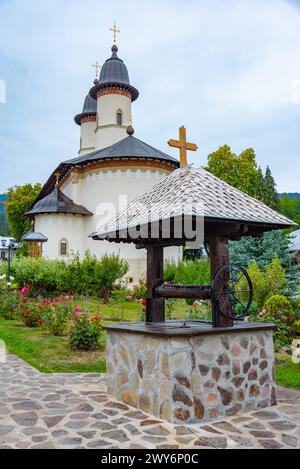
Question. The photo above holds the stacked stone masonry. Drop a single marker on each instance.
(192, 379)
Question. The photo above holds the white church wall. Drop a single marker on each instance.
(97, 191)
(108, 132)
(60, 227)
(87, 140)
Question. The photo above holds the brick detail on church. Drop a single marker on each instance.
(88, 119)
(114, 91)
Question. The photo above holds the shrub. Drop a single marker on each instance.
(170, 308)
(277, 309)
(29, 311)
(140, 290)
(253, 310)
(266, 283)
(9, 302)
(188, 272)
(89, 276)
(56, 314)
(41, 275)
(119, 295)
(200, 310)
(85, 332)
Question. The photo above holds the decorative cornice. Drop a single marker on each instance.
(114, 87)
(124, 163)
(90, 118)
(79, 119)
(114, 91)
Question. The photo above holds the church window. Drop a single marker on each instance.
(63, 248)
(119, 117)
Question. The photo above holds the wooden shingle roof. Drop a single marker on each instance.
(185, 189)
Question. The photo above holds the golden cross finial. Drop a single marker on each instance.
(115, 31)
(97, 67)
(183, 145)
(57, 175)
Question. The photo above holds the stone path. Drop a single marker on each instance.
(73, 411)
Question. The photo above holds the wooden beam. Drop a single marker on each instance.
(219, 256)
(155, 309)
(183, 291)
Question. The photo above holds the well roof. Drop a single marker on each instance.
(194, 192)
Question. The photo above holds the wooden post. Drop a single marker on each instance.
(219, 256)
(155, 267)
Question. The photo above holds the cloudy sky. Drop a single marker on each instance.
(228, 70)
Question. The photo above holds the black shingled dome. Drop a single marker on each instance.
(114, 74)
(89, 109)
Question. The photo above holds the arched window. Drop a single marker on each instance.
(63, 247)
(119, 117)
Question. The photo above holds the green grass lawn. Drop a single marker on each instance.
(47, 353)
(127, 311)
(52, 354)
(287, 372)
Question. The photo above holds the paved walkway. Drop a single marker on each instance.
(73, 411)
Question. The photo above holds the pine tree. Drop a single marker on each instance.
(270, 196)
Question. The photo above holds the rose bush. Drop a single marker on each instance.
(57, 314)
(85, 331)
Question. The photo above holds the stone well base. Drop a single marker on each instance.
(193, 378)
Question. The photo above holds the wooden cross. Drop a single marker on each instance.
(97, 67)
(115, 31)
(183, 145)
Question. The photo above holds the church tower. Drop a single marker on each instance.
(87, 121)
(114, 95)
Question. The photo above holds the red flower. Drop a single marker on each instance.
(54, 305)
(22, 313)
(143, 302)
(24, 291)
(42, 322)
(25, 300)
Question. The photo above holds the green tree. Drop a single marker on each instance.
(19, 201)
(270, 195)
(290, 207)
(239, 171)
(262, 250)
(273, 244)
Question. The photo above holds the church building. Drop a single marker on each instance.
(113, 167)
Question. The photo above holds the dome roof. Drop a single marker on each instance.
(89, 109)
(57, 202)
(114, 70)
(114, 74)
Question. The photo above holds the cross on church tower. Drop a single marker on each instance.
(97, 67)
(115, 31)
(183, 145)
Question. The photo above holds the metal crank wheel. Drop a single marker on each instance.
(232, 292)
